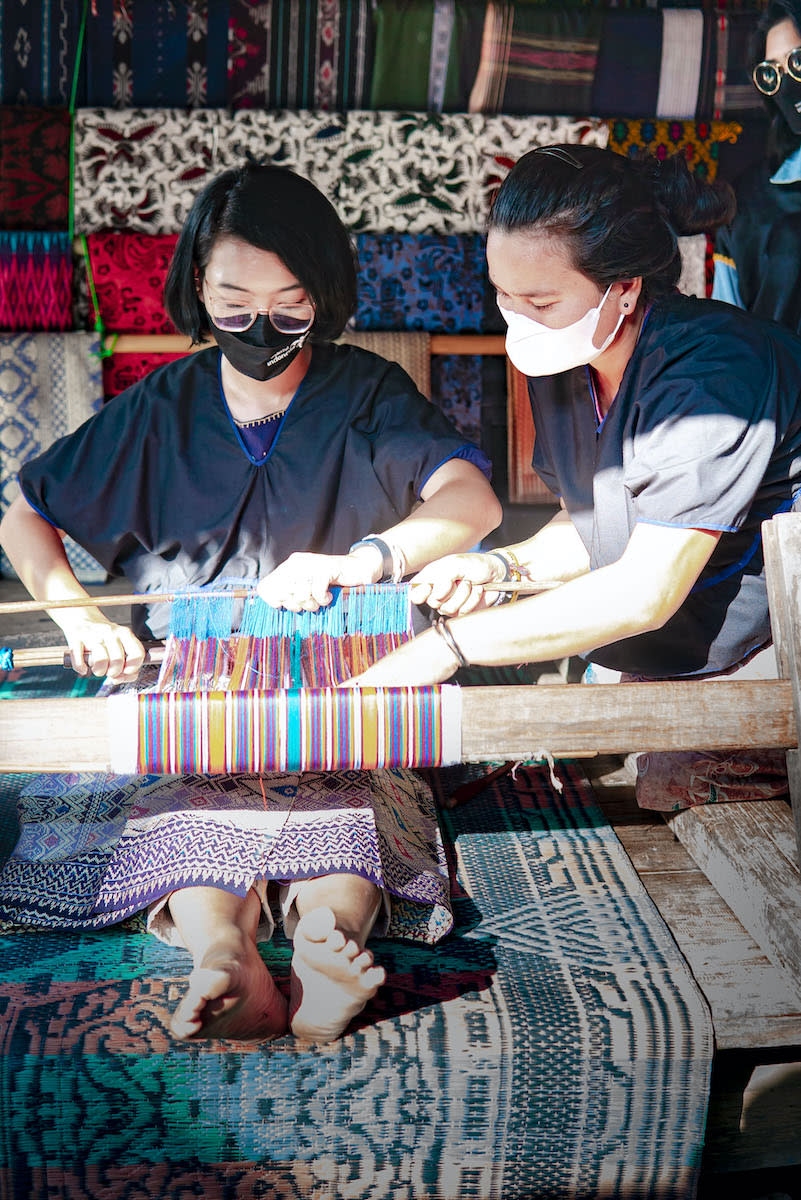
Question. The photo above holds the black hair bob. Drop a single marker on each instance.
(274, 209)
(620, 216)
(781, 140)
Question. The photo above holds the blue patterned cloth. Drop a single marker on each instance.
(50, 383)
(38, 42)
(434, 282)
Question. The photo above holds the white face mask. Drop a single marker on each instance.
(536, 349)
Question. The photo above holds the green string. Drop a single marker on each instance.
(73, 94)
(100, 329)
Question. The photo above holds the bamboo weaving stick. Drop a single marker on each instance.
(524, 586)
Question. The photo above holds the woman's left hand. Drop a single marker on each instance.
(425, 659)
(302, 582)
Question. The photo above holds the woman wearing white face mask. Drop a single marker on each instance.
(669, 428)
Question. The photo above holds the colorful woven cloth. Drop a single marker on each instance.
(35, 281)
(145, 53)
(95, 849)
(129, 272)
(34, 168)
(536, 59)
(558, 1021)
(675, 63)
(698, 141)
(49, 385)
(38, 42)
(428, 281)
(299, 55)
(441, 41)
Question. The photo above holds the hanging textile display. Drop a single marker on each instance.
(151, 54)
(129, 271)
(444, 39)
(140, 170)
(536, 59)
(698, 141)
(34, 168)
(675, 63)
(385, 172)
(49, 385)
(38, 44)
(300, 56)
(35, 281)
(426, 281)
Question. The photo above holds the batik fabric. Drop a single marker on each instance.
(121, 371)
(300, 55)
(148, 54)
(435, 282)
(49, 385)
(34, 168)
(35, 281)
(129, 271)
(94, 849)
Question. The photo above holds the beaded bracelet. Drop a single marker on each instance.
(443, 629)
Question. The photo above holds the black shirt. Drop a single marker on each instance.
(160, 487)
(704, 433)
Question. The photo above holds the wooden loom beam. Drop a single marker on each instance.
(175, 343)
(497, 722)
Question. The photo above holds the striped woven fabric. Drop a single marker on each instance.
(303, 729)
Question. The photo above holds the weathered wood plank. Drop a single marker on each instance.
(781, 541)
(747, 851)
(498, 722)
(752, 1004)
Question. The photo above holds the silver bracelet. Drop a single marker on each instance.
(444, 631)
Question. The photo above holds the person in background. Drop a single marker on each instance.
(758, 256)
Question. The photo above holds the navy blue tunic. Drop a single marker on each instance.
(159, 486)
(704, 433)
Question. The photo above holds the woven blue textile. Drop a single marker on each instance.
(38, 42)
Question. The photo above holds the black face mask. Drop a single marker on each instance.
(788, 102)
(261, 352)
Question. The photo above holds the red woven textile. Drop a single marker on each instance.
(34, 168)
(35, 281)
(129, 272)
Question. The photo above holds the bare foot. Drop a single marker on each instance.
(230, 994)
(332, 979)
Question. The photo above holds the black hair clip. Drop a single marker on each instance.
(560, 153)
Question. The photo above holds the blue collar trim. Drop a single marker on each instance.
(790, 170)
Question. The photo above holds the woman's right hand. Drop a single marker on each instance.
(454, 584)
(101, 647)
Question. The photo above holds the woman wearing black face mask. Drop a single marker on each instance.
(281, 458)
(758, 257)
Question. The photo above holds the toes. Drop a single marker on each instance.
(317, 925)
(374, 978)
